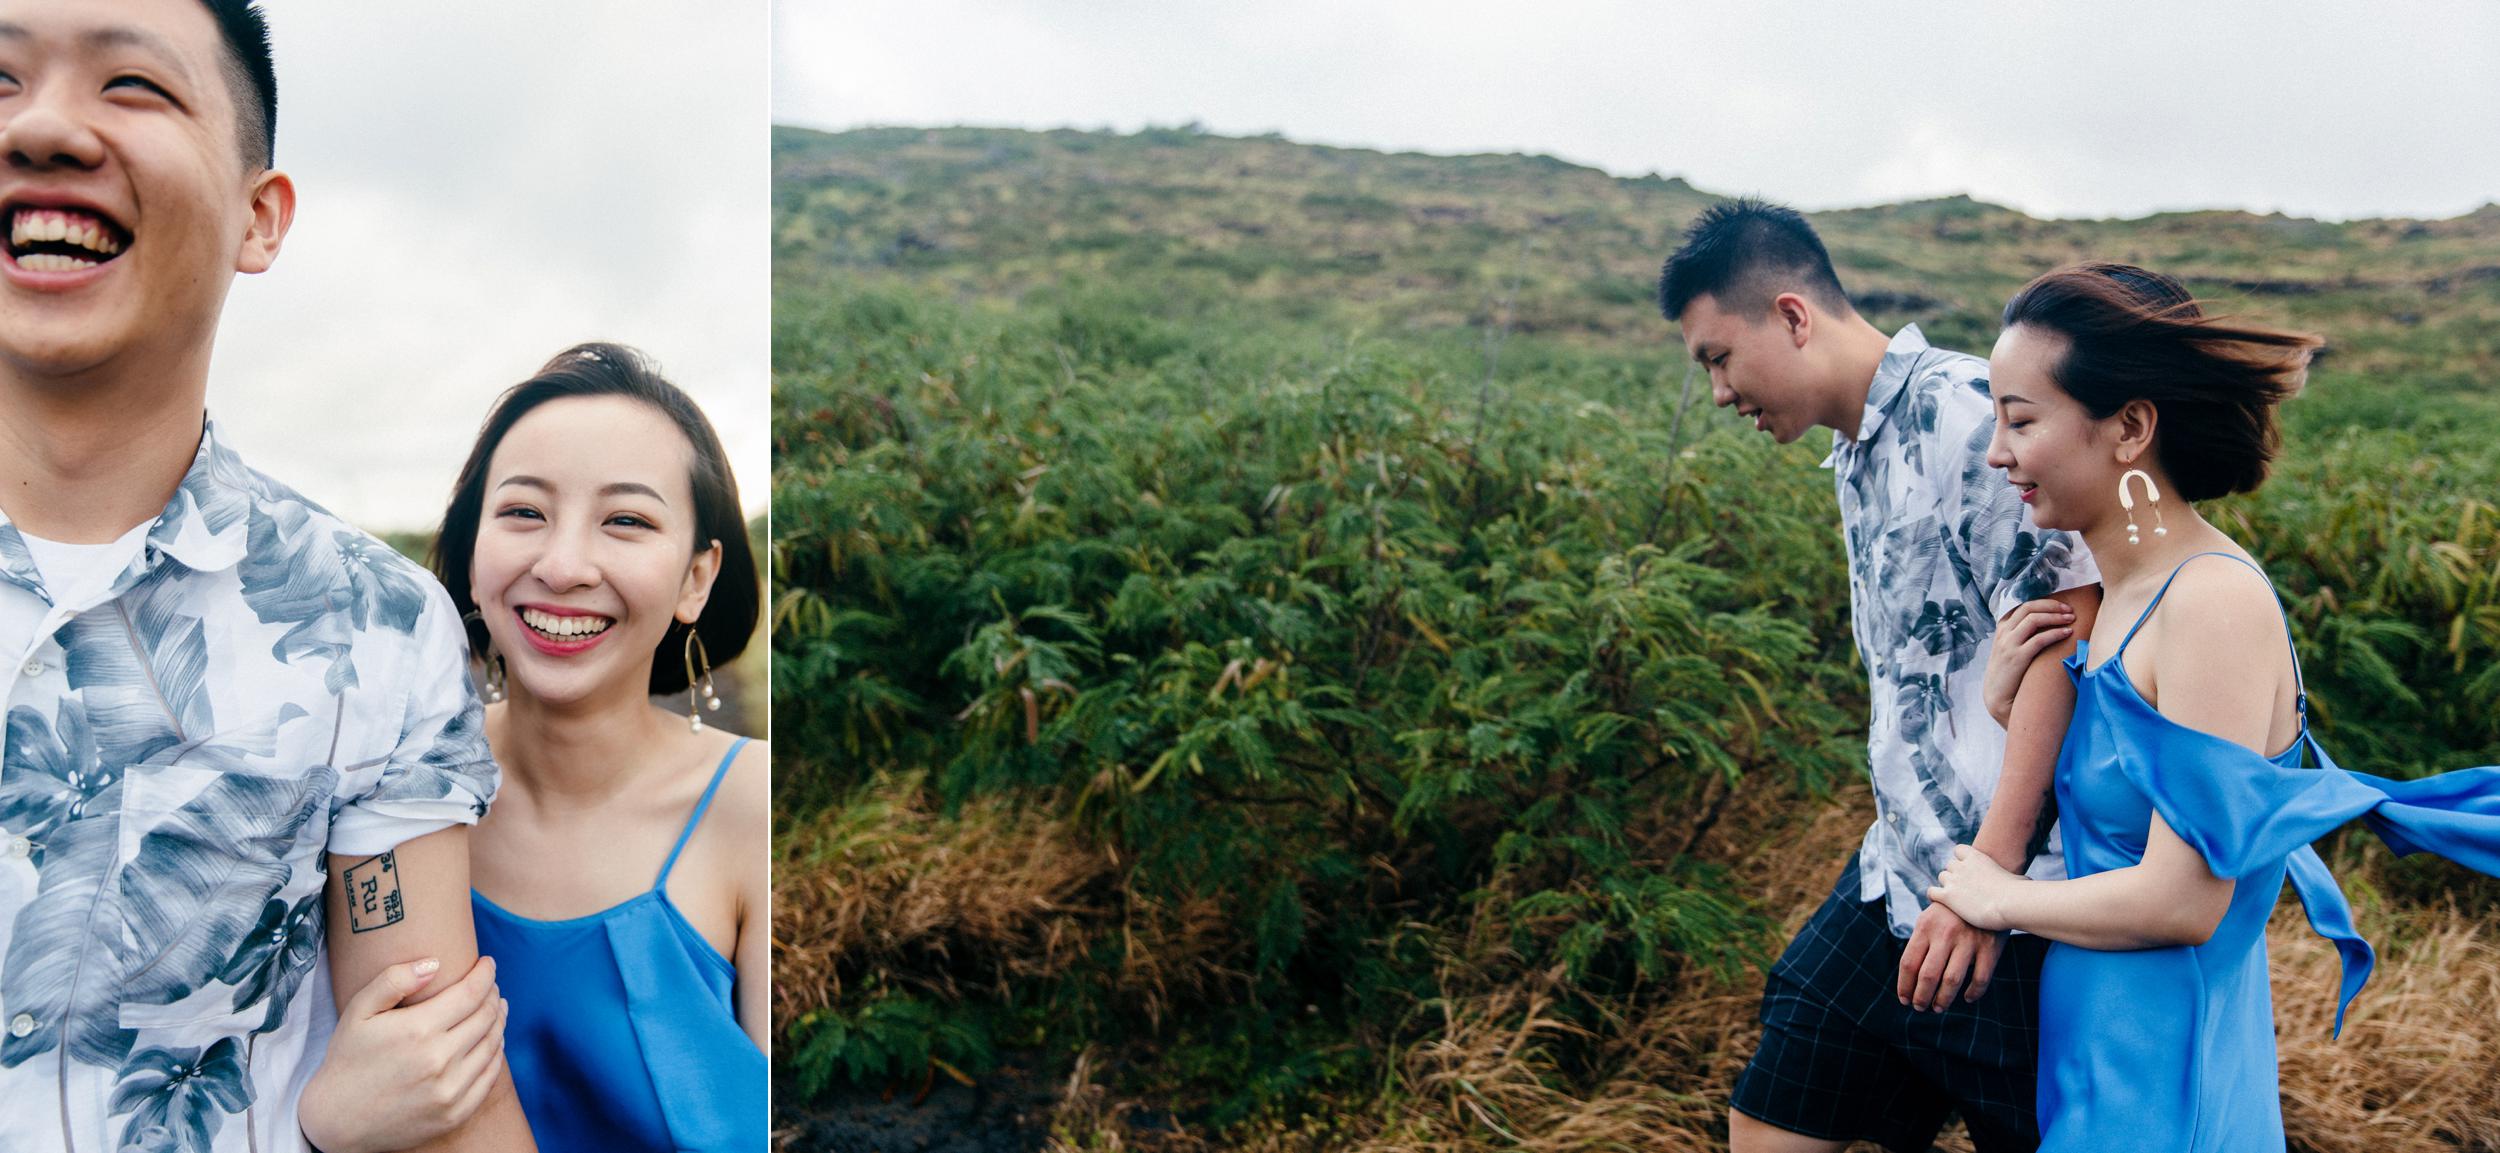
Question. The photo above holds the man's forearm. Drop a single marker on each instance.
(2035, 731)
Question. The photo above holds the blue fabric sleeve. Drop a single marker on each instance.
(2330, 916)
(2241, 811)
(2238, 810)
(2456, 815)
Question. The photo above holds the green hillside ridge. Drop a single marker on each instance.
(1406, 241)
(1276, 638)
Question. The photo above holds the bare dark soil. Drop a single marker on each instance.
(1007, 1111)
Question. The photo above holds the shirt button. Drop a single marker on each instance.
(34, 668)
(16, 848)
(21, 1025)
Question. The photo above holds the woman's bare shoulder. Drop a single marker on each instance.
(2222, 660)
(2218, 601)
(746, 798)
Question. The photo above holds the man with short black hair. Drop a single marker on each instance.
(1887, 1013)
(225, 707)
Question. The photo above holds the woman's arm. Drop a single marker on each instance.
(2036, 722)
(2169, 898)
(750, 794)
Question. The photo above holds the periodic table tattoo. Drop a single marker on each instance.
(373, 894)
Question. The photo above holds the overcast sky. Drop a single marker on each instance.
(480, 184)
(2114, 108)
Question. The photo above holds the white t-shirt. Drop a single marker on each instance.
(78, 573)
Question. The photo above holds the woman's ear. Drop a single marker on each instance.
(2136, 421)
(698, 587)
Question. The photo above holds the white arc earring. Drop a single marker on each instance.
(2152, 495)
(699, 692)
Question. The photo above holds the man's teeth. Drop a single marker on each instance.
(566, 626)
(34, 226)
(52, 262)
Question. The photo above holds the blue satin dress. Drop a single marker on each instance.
(2172, 1049)
(622, 1034)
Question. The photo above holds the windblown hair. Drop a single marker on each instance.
(601, 369)
(2133, 334)
(252, 75)
(1744, 253)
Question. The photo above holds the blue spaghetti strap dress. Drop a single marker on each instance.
(622, 1035)
(2172, 1049)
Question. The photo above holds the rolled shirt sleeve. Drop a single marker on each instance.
(440, 773)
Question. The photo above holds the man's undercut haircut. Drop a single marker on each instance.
(1744, 253)
(251, 75)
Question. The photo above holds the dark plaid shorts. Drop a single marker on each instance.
(1843, 1059)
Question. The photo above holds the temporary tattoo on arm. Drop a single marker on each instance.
(373, 894)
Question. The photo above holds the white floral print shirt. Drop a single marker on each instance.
(1941, 547)
(261, 685)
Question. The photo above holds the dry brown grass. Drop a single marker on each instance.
(1485, 1081)
(1486, 1076)
(1173, 952)
(949, 905)
(997, 894)
(2418, 1067)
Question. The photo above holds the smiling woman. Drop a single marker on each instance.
(595, 543)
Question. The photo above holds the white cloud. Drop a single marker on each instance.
(480, 185)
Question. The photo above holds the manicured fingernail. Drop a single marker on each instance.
(426, 967)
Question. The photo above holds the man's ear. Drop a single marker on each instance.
(1791, 310)
(273, 212)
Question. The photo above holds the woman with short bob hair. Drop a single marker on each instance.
(2189, 786)
(619, 884)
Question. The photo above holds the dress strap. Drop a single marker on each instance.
(699, 806)
(2300, 687)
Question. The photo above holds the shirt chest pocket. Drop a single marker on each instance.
(218, 892)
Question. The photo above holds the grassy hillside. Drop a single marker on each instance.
(1407, 243)
(1271, 642)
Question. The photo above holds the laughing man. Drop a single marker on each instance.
(222, 704)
